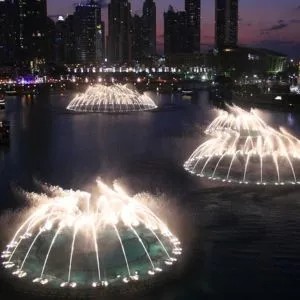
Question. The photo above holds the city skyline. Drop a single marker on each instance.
(271, 24)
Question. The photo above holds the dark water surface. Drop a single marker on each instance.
(240, 240)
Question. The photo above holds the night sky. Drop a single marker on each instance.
(273, 24)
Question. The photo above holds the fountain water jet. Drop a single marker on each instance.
(70, 227)
(111, 99)
(243, 148)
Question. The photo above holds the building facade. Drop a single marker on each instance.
(60, 35)
(247, 61)
(31, 31)
(175, 32)
(7, 32)
(70, 40)
(226, 31)
(193, 34)
(137, 38)
(149, 28)
(89, 38)
(119, 32)
(100, 42)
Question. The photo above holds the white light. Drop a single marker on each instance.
(125, 280)
(115, 99)
(237, 135)
(135, 277)
(105, 283)
(74, 210)
(22, 274)
(44, 281)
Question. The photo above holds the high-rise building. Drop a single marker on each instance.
(175, 27)
(119, 31)
(60, 40)
(149, 28)
(89, 46)
(7, 32)
(70, 40)
(31, 31)
(227, 14)
(51, 41)
(137, 38)
(100, 42)
(193, 34)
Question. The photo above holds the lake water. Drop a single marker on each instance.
(239, 240)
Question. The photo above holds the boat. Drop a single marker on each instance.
(188, 94)
(11, 92)
(2, 101)
(277, 95)
(4, 132)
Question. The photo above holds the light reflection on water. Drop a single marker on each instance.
(147, 151)
(65, 148)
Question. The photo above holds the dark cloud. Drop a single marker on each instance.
(160, 46)
(281, 24)
(295, 21)
(103, 3)
(207, 46)
(288, 47)
(244, 22)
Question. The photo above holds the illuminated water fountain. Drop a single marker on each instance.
(111, 99)
(243, 148)
(76, 239)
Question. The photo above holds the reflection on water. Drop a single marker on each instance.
(69, 149)
(146, 151)
(291, 120)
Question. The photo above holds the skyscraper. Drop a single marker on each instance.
(193, 34)
(119, 31)
(100, 42)
(88, 32)
(175, 25)
(7, 32)
(137, 38)
(31, 31)
(70, 40)
(227, 14)
(60, 40)
(149, 28)
(51, 41)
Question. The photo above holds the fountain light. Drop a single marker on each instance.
(111, 99)
(242, 148)
(63, 219)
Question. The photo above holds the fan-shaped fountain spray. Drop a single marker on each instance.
(72, 239)
(111, 99)
(243, 148)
